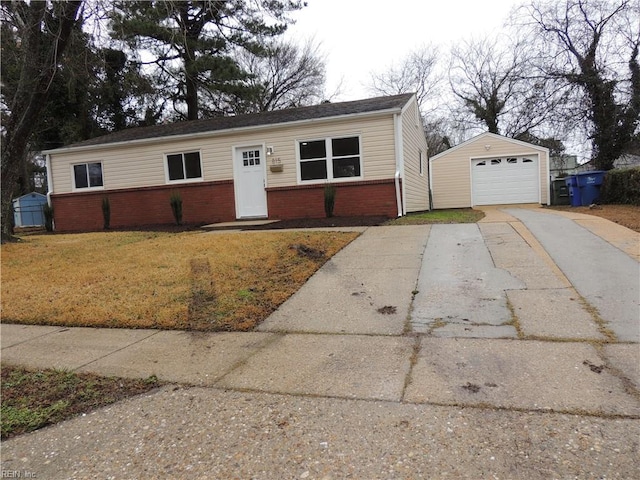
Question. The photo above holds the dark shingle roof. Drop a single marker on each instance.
(251, 120)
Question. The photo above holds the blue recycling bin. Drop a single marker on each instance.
(574, 191)
(589, 184)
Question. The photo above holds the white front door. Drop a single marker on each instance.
(251, 196)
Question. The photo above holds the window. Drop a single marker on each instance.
(512, 160)
(496, 161)
(251, 158)
(481, 164)
(527, 160)
(184, 166)
(329, 159)
(420, 167)
(87, 175)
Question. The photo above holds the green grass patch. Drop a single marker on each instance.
(32, 399)
(459, 215)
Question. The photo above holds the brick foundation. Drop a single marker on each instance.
(208, 202)
(213, 202)
(375, 197)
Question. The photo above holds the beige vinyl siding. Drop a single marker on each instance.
(451, 170)
(143, 164)
(376, 139)
(414, 142)
(451, 182)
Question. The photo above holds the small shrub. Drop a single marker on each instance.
(48, 217)
(621, 186)
(329, 199)
(106, 212)
(176, 206)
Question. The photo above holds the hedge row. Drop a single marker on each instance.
(621, 186)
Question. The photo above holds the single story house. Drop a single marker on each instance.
(490, 169)
(267, 165)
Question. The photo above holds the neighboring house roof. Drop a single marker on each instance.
(627, 160)
(324, 110)
(487, 135)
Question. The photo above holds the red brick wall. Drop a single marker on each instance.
(375, 197)
(213, 202)
(207, 202)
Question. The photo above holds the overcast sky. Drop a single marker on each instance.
(358, 36)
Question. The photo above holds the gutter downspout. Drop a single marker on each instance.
(397, 129)
(49, 180)
(430, 187)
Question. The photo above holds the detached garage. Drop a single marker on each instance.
(490, 170)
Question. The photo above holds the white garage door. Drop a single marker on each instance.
(496, 181)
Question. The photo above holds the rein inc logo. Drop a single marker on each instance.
(18, 474)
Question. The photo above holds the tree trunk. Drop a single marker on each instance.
(40, 56)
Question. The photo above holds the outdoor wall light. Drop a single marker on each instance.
(269, 150)
(487, 147)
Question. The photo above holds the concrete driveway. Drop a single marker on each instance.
(503, 349)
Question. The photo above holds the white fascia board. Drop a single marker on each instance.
(212, 133)
(406, 105)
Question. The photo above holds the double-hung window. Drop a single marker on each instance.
(87, 175)
(330, 159)
(184, 166)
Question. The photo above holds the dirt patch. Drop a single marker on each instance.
(203, 298)
(32, 399)
(308, 252)
(472, 387)
(625, 215)
(387, 310)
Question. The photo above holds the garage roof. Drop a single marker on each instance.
(485, 136)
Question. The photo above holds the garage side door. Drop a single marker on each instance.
(505, 180)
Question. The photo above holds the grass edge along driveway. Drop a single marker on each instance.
(190, 280)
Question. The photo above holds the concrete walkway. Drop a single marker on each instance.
(450, 351)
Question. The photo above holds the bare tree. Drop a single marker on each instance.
(417, 73)
(592, 47)
(288, 75)
(494, 82)
(43, 29)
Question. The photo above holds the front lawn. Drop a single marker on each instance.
(190, 280)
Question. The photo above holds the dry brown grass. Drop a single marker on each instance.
(625, 215)
(148, 279)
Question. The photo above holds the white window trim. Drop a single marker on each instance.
(183, 180)
(88, 188)
(329, 160)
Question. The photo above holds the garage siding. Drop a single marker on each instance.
(451, 170)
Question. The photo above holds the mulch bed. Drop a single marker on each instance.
(362, 221)
(358, 221)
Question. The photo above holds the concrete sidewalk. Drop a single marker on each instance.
(458, 351)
